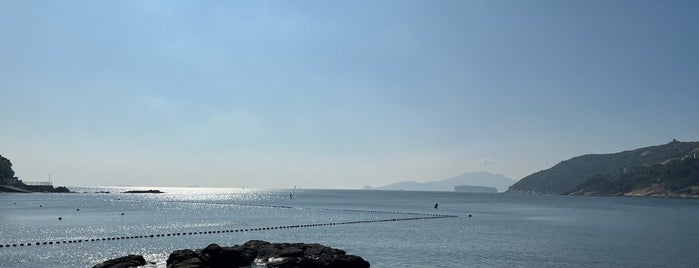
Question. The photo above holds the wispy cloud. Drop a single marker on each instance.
(484, 161)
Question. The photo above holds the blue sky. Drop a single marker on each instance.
(337, 94)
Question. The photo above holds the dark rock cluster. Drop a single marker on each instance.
(144, 192)
(260, 253)
(123, 262)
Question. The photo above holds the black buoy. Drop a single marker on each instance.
(59, 218)
(39, 205)
(469, 215)
(77, 209)
(122, 214)
(436, 205)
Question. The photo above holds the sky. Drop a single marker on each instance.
(337, 94)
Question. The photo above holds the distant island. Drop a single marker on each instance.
(475, 189)
(12, 184)
(497, 181)
(144, 192)
(668, 170)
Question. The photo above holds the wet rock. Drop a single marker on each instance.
(280, 255)
(179, 256)
(123, 262)
(341, 261)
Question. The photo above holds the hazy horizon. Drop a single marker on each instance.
(335, 94)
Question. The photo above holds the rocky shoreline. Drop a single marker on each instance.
(655, 190)
(23, 188)
(254, 253)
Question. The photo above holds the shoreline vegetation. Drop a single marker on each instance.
(675, 179)
(255, 252)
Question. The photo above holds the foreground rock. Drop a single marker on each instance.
(264, 253)
(253, 252)
(123, 262)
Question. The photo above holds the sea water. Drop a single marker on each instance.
(387, 228)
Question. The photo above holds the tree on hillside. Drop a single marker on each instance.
(6, 168)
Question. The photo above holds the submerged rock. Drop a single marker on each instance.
(123, 262)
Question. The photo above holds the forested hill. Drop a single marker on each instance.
(10, 183)
(679, 178)
(6, 168)
(566, 175)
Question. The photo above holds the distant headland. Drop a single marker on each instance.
(12, 184)
(668, 170)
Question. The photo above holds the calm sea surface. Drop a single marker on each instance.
(504, 230)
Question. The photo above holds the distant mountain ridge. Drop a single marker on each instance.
(565, 176)
(498, 181)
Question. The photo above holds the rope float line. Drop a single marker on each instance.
(218, 231)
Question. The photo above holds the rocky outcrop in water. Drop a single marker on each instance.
(264, 253)
(144, 192)
(123, 262)
(257, 252)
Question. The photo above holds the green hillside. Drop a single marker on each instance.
(678, 178)
(566, 175)
(6, 168)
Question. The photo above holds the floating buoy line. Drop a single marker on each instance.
(421, 216)
(61, 242)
